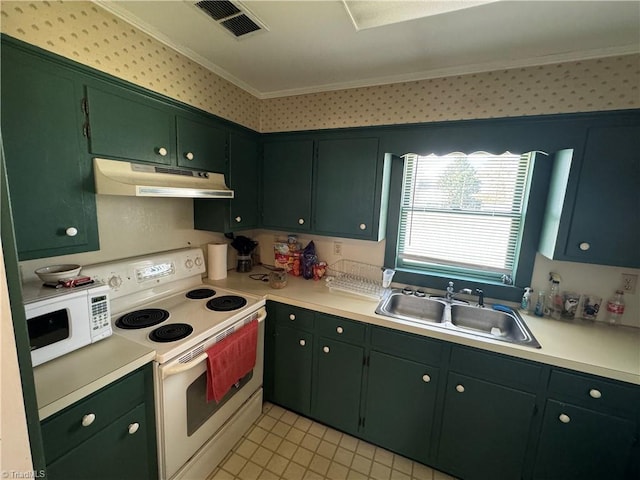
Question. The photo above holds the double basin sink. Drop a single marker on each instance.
(505, 325)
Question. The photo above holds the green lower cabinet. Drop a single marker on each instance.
(336, 399)
(581, 444)
(110, 434)
(293, 364)
(400, 405)
(122, 455)
(485, 429)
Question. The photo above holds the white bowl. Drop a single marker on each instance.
(54, 273)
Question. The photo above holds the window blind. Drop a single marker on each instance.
(463, 212)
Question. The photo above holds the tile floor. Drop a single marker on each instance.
(284, 445)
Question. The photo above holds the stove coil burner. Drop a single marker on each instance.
(200, 293)
(226, 303)
(142, 318)
(171, 332)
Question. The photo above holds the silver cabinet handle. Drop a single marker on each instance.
(133, 428)
(71, 231)
(88, 419)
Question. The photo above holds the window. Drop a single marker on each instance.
(463, 214)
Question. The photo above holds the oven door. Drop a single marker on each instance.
(185, 419)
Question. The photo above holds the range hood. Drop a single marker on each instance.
(134, 179)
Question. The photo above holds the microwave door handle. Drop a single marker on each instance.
(183, 367)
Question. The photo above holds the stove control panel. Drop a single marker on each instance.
(131, 275)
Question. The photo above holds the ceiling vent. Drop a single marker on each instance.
(233, 16)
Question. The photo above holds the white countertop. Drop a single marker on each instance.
(67, 379)
(590, 347)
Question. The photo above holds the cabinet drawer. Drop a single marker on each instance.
(65, 430)
(294, 317)
(594, 392)
(340, 328)
(496, 368)
(407, 345)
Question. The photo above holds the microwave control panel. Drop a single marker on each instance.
(100, 314)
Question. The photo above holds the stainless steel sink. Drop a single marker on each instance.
(412, 308)
(507, 326)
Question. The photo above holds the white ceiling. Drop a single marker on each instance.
(312, 46)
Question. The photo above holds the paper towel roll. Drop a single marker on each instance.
(217, 261)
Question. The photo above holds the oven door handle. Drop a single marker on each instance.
(183, 367)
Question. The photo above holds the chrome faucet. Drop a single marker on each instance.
(449, 295)
(480, 297)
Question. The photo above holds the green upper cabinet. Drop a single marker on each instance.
(327, 184)
(593, 214)
(347, 194)
(286, 180)
(128, 125)
(49, 172)
(241, 212)
(201, 145)
(125, 124)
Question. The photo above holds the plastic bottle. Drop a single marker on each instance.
(615, 308)
(553, 308)
(539, 309)
(524, 303)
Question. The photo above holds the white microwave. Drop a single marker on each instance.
(65, 319)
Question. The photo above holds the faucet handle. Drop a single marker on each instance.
(466, 291)
(480, 297)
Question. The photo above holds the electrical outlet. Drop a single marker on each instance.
(337, 248)
(629, 282)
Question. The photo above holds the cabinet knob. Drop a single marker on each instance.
(301, 221)
(460, 388)
(584, 246)
(88, 419)
(363, 226)
(163, 152)
(564, 418)
(189, 156)
(71, 231)
(292, 316)
(340, 330)
(593, 393)
(325, 349)
(302, 343)
(133, 428)
(426, 379)
(238, 219)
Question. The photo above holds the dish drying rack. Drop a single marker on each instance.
(356, 277)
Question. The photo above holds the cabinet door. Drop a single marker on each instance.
(286, 179)
(577, 443)
(293, 365)
(244, 179)
(127, 125)
(49, 172)
(118, 451)
(400, 404)
(336, 397)
(201, 145)
(605, 227)
(485, 428)
(345, 187)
